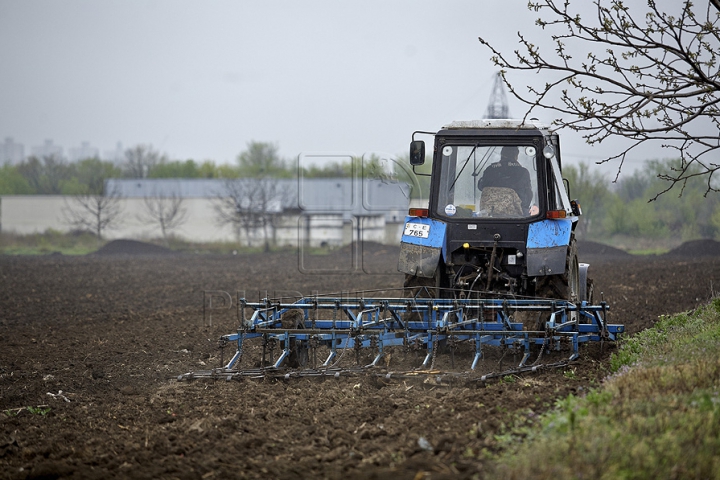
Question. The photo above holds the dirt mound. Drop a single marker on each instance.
(132, 247)
(586, 247)
(696, 248)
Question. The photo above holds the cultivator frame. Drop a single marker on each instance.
(341, 323)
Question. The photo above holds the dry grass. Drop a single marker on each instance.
(83, 243)
(49, 241)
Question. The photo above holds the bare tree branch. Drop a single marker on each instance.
(96, 213)
(165, 211)
(250, 205)
(655, 80)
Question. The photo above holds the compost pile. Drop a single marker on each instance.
(93, 345)
(696, 248)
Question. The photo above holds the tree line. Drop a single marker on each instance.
(249, 199)
(630, 206)
(53, 175)
(619, 207)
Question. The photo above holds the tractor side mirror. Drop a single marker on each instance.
(417, 152)
(575, 207)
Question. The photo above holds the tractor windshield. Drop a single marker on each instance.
(498, 181)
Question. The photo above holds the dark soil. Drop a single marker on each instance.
(696, 248)
(131, 247)
(112, 333)
(593, 248)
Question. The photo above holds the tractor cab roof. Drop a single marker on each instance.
(491, 126)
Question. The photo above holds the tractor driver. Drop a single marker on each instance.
(508, 173)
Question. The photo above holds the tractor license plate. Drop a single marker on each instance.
(417, 230)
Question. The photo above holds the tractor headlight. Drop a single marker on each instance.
(548, 152)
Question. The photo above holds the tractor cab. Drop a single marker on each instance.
(499, 218)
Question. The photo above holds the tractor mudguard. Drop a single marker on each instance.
(547, 244)
(421, 246)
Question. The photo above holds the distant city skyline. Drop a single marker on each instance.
(13, 152)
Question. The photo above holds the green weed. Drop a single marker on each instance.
(39, 410)
(657, 416)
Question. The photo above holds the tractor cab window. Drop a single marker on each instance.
(493, 181)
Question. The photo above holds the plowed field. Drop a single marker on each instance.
(93, 345)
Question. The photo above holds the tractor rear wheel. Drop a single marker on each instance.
(565, 286)
(421, 287)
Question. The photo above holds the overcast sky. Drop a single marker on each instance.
(200, 79)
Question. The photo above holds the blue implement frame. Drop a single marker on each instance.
(384, 322)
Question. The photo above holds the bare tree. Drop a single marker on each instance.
(96, 213)
(139, 161)
(251, 206)
(166, 211)
(650, 76)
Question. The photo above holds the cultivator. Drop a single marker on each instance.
(482, 265)
(334, 326)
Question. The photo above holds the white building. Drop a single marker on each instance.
(82, 152)
(116, 155)
(11, 152)
(314, 211)
(48, 149)
(300, 212)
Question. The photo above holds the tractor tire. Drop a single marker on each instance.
(565, 286)
(561, 287)
(420, 287)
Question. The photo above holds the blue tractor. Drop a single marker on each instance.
(499, 219)
(491, 261)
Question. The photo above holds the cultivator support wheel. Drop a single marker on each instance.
(374, 324)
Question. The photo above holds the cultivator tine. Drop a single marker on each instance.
(376, 324)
